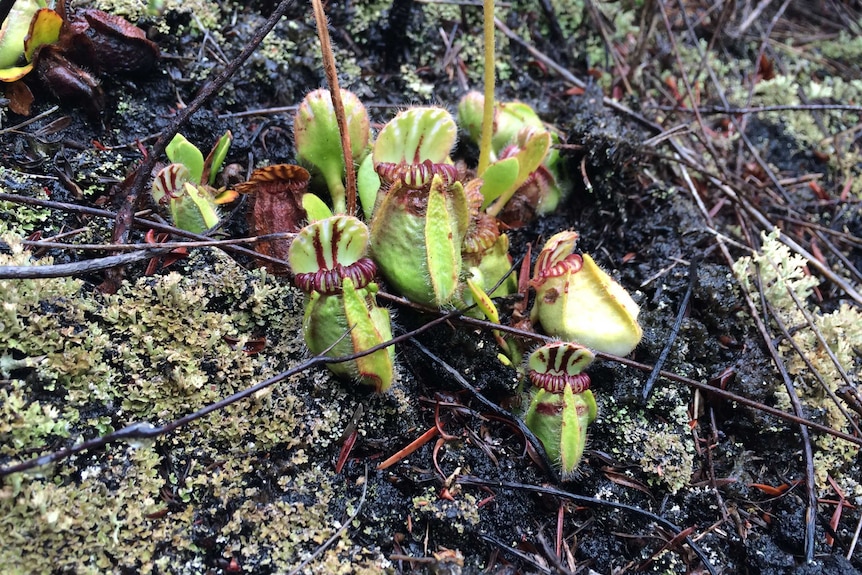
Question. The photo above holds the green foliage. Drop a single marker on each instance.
(521, 152)
(28, 25)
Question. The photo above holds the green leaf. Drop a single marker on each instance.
(483, 302)
(530, 156)
(44, 29)
(181, 151)
(15, 72)
(315, 208)
(498, 179)
(216, 157)
(15, 29)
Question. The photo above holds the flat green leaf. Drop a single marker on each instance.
(499, 179)
(532, 155)
(483, 302)
(529, 158)
(15, 73)
(315, 208)
(15, 29)
(181, 151)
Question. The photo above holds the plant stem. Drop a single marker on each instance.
(335, 91)
(488, 109)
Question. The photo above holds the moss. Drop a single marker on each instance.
(207, 13)
(845, 46)
(98, 520)
(25, 424)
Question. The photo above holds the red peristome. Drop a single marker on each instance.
(482, 234)
(328, 281)
(275, 179)
(416, 176)
(557, 382)
(572, 263)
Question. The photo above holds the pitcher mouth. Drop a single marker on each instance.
(328, 281)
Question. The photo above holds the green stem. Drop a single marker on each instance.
(488, 110)
(337, 192)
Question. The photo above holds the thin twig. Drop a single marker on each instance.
(77, 268)
(140, 222)
(807, 450)
(155, 245)
(591, 501)
(715, 391)
(674, 331)
(145, 430)
(337, 103)
(492, 407)
(29, 121)
(508, 549)
(763, 109)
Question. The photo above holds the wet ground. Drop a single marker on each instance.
(226, 495)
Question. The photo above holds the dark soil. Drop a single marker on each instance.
(635, 226)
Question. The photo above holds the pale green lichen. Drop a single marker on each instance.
(26, 424)
(20, 218)
(658, 439)
(78, 364)
(781, 272)
(206, 12)
(458, 513)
